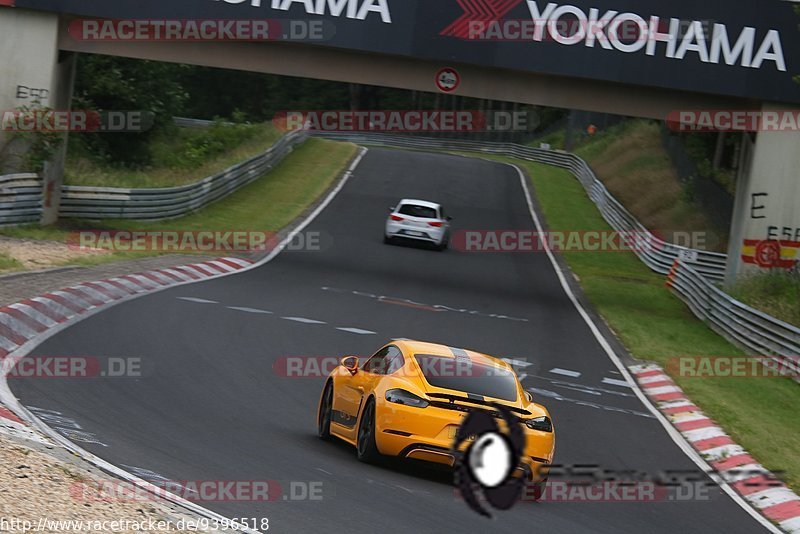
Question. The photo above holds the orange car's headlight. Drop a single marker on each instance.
(401, 396)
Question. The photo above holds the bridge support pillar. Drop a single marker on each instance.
(34, 73)
(765, 230)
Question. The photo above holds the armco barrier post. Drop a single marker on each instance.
(63, 84)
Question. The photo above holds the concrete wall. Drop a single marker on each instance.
(767, 206)
(29, 41)
(33, 72)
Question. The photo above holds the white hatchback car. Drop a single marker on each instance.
(418, 220)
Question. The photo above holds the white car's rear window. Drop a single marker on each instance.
(412, 210)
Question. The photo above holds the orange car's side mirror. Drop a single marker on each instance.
(350, 363)
(528, 396)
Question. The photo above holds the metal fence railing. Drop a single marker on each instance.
(21, 194)
(20, 198)
(193, 123)
(167, 203)
(658, 255)
(734, 320)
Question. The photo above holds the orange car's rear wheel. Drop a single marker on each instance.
(367, 448)
(325, 412)
(539, 489)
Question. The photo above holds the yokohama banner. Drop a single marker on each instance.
(746, 49)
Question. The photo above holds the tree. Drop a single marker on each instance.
(106, 83)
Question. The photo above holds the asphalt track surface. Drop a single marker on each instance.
(211, 407)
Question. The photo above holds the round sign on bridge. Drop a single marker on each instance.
(448, 79)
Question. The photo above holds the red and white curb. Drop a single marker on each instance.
(750, 479)
(57, 309)
(30, 318)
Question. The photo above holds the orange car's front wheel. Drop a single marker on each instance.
(367, 448)
(325, 412)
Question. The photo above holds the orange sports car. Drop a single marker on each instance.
(409, 398)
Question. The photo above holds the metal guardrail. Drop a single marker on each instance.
(659, 256)
(21, 194)
(734, 320)
(167, 203)
(192, 123)
(20, 198)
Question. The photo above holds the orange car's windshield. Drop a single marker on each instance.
(468, 376)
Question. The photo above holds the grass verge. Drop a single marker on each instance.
(180, 157)
(775, 293)
(631, 162)
(268, 204)
(654, 325)
(7, 263)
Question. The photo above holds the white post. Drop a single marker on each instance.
(765, 231)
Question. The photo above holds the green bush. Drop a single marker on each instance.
(210, 142)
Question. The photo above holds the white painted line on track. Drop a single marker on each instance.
(197, 300)
(616, 382)
(248, 310)
(559, 397)
(303, 320)
(565, 372)
(517, 363)
(356, 331)
(673, 433)
(583, 388)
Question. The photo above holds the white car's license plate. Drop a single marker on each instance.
(417, 234)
